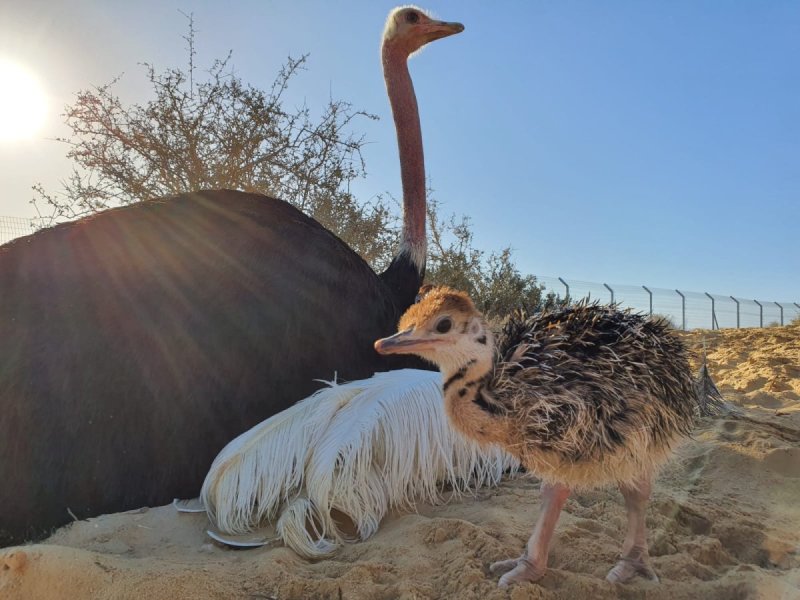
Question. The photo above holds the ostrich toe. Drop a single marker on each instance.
(628, 568)
(503, 566)
(523, 570)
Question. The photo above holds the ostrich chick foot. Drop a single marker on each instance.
(517, 570)
(628, 568)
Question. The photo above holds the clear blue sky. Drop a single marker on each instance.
(631, 142)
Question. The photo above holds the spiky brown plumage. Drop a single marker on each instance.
(590, 385)
(586, 394)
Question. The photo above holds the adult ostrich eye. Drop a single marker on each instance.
(444, 325)
(412, 17)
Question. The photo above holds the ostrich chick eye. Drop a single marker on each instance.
(444, 326)
(412, 17)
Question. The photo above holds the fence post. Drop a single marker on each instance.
(683, 310)
(760, 313)
(779, 306)
(713, 311)
(566, 285)
(737, 311)
(651, 299)
(610, 290)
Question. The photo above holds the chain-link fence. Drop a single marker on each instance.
(684, 309)
(14, 227)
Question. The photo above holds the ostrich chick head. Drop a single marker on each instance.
(409, 28)
(445, 328)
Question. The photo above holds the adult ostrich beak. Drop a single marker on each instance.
(441, 29)
(404, 342)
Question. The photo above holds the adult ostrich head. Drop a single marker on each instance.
(407, 30)
(410, 28)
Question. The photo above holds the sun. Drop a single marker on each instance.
(23, 105)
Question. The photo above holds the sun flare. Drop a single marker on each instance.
(23, 105)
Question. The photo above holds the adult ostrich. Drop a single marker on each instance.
(134, 344)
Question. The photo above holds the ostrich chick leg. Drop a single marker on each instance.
(532, 565)
(633, 559)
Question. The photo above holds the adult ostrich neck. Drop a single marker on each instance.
(404, 276)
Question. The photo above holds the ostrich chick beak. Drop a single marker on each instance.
(404, 342)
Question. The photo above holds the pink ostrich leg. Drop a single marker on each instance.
(633, 559)
(532, 565)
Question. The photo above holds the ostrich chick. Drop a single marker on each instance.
(583, 396)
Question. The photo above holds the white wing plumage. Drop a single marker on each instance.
(360, 448)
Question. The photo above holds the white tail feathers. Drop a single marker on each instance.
(360, 448)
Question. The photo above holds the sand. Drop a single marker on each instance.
(724, 524)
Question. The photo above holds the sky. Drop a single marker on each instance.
(653, 143)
